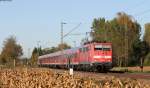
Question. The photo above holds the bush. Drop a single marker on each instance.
(147, 60)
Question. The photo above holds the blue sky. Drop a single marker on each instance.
(39, 20)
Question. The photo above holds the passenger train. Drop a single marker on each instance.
(92, 57)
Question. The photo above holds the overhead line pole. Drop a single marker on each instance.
(62, 23)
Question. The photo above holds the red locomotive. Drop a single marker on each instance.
(92, 56)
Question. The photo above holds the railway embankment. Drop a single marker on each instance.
(136, 69)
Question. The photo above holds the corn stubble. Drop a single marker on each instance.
(45, 78)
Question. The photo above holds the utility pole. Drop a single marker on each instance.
(62, 35)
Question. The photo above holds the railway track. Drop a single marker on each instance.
(119, 74)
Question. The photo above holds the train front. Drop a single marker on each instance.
(102, 56)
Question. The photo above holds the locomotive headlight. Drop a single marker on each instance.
(107, 56)
(97, 57)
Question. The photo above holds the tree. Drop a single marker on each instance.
(11, 51)
(144, 51)
(147, 60)
(63, 46)
(55, 49)
(136, 54)
(34, 57)
(38, 50)
(147, 34)
(49, 50)
(122, 31)
(146, 38)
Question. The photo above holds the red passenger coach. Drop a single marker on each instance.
(92, 56)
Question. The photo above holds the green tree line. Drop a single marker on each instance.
(124, 33)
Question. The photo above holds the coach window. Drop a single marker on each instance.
(83, 49)
(65, 55)
(75, 55)
(58, 57)
(80, 49)
(86, 49)
(53, 59)
(50, 59)
(106, 49)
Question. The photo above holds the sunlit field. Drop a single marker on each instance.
(46, 78)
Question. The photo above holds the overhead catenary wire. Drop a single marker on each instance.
(142, 13)
(137, 5)
(72, 30)
(77, 34)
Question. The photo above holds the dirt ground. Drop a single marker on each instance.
(145, 68)
(47, 78)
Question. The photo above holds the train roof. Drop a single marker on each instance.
(67, 51)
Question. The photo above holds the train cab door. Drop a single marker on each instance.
(84, 55)
(107, 50)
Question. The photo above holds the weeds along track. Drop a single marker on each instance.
(47, 78)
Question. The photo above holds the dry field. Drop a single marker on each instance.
(46, 78)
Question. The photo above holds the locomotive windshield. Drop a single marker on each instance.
(98, 47)
(102, 47)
